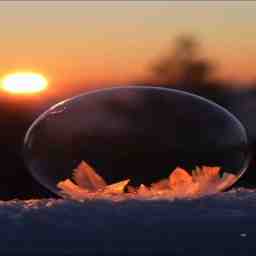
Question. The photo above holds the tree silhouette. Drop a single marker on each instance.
(184, 64)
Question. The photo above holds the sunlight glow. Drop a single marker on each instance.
(24, 83)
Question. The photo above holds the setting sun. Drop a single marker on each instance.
(24, 83)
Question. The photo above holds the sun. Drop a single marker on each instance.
(24, 83)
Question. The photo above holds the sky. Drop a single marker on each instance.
(85, 42)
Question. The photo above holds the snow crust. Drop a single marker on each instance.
(221, 224)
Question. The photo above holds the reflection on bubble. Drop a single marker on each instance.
(139, 134)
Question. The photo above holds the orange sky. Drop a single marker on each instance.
(92, 42)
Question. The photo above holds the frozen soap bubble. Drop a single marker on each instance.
(136, 141)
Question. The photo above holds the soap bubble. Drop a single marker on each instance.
(137, 133)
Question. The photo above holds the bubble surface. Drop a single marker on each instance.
(136, 133)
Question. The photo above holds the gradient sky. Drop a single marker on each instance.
(85, 42)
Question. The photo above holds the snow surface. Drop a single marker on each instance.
(222, 224)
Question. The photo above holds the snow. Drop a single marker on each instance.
(222, 224)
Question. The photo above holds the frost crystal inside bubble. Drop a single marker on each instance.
(88, 184)
(136, 142)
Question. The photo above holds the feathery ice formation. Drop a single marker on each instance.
(87, 184)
